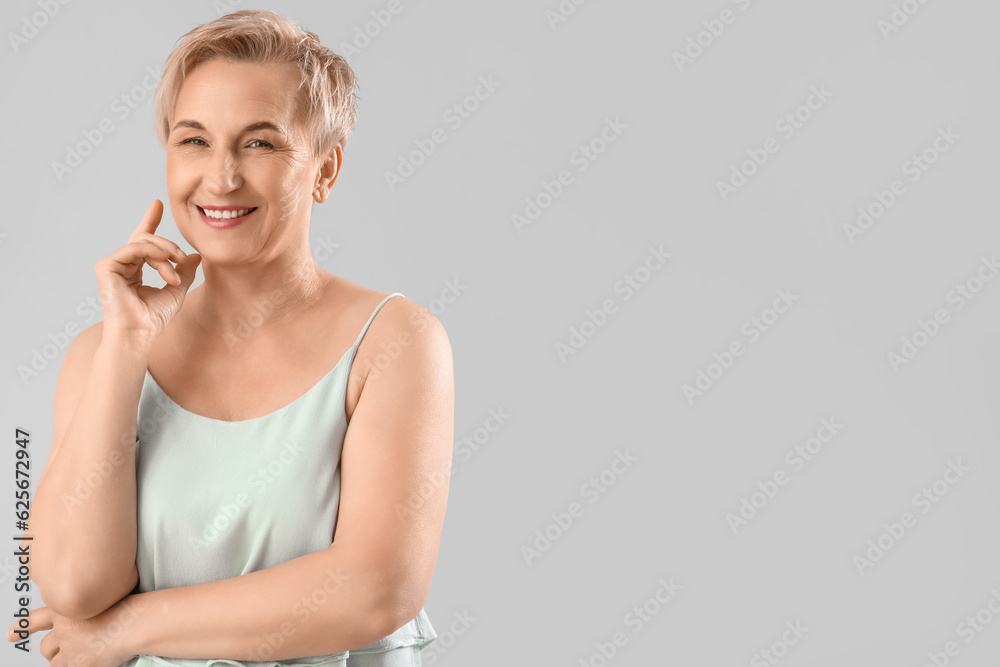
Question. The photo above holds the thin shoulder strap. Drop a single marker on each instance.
(372, 317)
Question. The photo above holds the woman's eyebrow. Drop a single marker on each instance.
(253, 127)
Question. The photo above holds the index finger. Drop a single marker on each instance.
(151, 219)
(39, 619)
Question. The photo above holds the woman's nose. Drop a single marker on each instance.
(225, 174)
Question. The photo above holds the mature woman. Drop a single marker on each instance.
(239, 518)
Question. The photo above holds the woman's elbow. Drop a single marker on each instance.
(393, 612)
(68, 602)
(80, 597)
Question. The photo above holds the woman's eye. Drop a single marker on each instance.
(198, 141)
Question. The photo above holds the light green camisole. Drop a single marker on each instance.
(217, 499)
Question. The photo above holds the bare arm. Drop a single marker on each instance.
(323, 602)
(83, 515)
(374, 578)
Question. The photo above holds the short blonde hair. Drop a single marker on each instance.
(329, 103)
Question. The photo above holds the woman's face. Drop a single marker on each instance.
(235, 145)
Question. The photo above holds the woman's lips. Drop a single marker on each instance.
(227, 222)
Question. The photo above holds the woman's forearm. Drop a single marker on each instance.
(83, 514)
(316, 604)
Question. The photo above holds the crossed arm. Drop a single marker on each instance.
(395, 468)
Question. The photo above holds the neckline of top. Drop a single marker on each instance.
(261, 417)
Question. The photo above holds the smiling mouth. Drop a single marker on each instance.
(225, 213)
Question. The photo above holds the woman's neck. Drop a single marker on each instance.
(236, 304)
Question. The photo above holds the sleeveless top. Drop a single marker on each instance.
(217, 499)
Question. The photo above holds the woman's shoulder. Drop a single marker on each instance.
(397, 315)
(399, 323)
(402, 336)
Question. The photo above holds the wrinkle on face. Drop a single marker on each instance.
(289, 202)
(283, 175)
(220, 164)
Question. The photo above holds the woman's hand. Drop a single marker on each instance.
(131, 307)
(100, 641)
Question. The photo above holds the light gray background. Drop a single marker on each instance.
(656, 185)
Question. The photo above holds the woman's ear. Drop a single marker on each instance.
(327, 176)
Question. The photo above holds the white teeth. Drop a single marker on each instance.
(226, 215)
